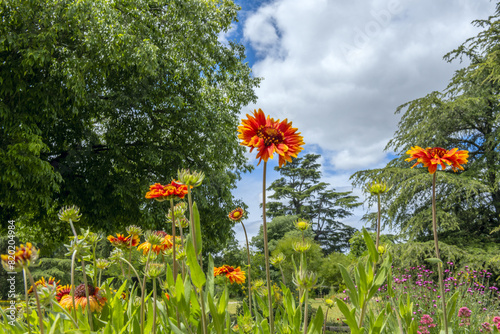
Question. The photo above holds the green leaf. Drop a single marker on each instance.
(434, 260)
(197, 275)
(197, 228)
(374, 256)
(350, 285)
(316, 325)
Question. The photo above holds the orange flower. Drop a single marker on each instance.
(236, 214)
(170, 191)
(432, 157)
(234, 275)
(123, 242)
(269, 136)
(95, 299)
(166, 243)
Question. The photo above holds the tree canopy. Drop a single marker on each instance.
(300, 192)
(99, 99)
(465, 115)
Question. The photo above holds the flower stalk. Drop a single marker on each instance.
(436, 245)
(266, 251)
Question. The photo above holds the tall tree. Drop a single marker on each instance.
(99, 99)
(300, 192)
(465, 115)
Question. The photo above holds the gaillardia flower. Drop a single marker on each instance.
(45, 283)
(234, 275)
(122, 242)
(95, 299)
(236, 215)
(169, 191)
(22, 257)
(432, 157)
(269, 136)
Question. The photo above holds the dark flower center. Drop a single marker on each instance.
(270, 135)
(440, 152)
(80, 290)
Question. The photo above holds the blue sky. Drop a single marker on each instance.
(339, 69)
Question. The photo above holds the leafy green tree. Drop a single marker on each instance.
(99, 99)
(465, 115)
(300, 192)
(276, 230)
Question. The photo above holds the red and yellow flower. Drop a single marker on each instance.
(22, 257)
(432, 157)
(62, 291)
(169, 191)
(270, 136)
(236, 215)
(234, 275)
(96, 301)
(165, 242)
(120, 241)
(45, 283)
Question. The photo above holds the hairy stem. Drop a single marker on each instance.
(40, 315)
(249, 280)
(266, 250)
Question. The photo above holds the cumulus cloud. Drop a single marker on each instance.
(339, 69)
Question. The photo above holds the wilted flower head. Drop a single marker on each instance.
(377, 187)
(236, 215)
(277, 259)
(68, 213)
(102, 264)
(301, 246)
(192, 179)
(22, 257)
(134, 230)
(302, 224)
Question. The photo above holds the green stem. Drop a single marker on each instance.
(100, 273)
(143, 294)
(40, 315)
(130, 259)
(266, 250)
(304, 330)
(436, 245)
(87, 296)
(324, 322)
(154, 306)
(282, 275)
(379, 216)
(135, 271)
(73, 259)
(249, 279)
(173, 238)
(95, 264)
(28, 311)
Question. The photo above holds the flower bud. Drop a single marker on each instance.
(301, 246)
(277, 259)
(68, 213)
(302, 224)
(377, 188)
(134, 230)
(193, 179)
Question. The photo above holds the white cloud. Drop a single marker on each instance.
(339, 69)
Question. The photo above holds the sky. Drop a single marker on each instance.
(338, 69)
